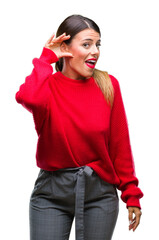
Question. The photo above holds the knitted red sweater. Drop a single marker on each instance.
(77, 127)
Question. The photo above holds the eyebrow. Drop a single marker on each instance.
(89, 39)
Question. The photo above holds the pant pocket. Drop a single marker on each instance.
(63, 185)
(109, 192)
(42, 184)
(107, 187)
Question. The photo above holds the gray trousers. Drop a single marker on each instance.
(59, 196)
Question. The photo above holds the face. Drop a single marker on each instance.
(85, 50)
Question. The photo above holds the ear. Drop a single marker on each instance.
(64, 47)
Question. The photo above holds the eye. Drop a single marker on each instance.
(86, 45)
(98, 45)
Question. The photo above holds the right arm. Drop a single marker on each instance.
(35, 90)
(34, 93)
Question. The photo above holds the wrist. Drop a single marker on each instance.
(133, 202)
(48, 56)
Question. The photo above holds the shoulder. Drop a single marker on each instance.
(115, 82)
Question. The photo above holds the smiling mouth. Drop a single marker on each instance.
(91, 63)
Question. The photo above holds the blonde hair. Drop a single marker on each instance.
(103, 81)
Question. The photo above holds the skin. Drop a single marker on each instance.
(75, 54)
(85, 45)
(134, 221)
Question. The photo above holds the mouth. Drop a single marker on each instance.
(91, 62)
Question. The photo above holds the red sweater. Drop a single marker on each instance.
(77, 127)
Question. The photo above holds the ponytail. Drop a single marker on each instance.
(104, 83)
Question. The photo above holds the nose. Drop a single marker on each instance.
(94, 50)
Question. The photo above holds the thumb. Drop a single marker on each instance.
(67, 54)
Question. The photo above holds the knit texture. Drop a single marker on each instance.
(77, 127)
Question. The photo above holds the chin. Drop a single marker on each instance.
(88, 75)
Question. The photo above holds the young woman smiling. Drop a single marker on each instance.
(83, 148)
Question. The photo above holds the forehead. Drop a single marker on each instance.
(87, 34)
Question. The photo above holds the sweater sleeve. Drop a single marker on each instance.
(34, 93)
(120, 151)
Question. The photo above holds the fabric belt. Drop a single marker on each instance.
(79, 204)
(79, 198)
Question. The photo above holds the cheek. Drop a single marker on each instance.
(79, 54)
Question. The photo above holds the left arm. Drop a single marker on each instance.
(121, 155)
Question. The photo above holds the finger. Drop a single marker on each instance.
(137, 222)
(51, 38)
(132, 223)
(132, 226)
(66, 37)
(135, 225)
(67, 54)
(61, 38)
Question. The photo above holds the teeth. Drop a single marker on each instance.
(91, 61)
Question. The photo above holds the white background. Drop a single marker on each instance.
(130, 52)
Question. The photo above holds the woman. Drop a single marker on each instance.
(83, 149)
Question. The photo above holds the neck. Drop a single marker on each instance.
(68, 72)
(72, 75)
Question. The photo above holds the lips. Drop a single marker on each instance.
(91, 62)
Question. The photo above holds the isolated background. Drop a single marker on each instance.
(129, 51)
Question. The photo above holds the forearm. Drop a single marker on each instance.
(34, 91)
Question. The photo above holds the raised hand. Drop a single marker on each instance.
(55, 45)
